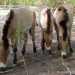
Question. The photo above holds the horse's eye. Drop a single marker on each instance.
(59, 9)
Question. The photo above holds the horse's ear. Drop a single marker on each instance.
(48, 11)
(65, 10)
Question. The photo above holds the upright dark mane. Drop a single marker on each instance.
(63, 23)
(5, 30)
(48, 20)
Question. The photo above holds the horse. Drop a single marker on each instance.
(24, 17)
(46, 23)
(63, 24)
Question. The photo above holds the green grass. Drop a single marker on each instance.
(72, 2)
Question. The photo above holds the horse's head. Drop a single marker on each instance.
(61, 14)
(46, 24)
(62, 18)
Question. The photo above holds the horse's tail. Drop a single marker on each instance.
(5, 30)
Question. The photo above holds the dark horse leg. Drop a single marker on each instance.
(42, 43)
(32, 32)
(69, 42)
(33, 40)
(58, 37)
(25, 43)
(66, 37)
(15, 55)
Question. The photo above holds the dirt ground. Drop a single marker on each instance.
(42, 64)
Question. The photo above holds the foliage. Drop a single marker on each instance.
(33, 2)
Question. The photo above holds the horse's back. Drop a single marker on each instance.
(22, 17)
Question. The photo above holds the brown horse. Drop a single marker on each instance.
(47, 27)
(63, 25)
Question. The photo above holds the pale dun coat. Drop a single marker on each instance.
(23, 16)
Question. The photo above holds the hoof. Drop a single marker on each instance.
(35, 54)
(15, 61)
(2, 67)
(71, 50)
(34, 50)
(7, 68)
(64, 55)
(49, 52)
(59, 48)
(43, 50)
